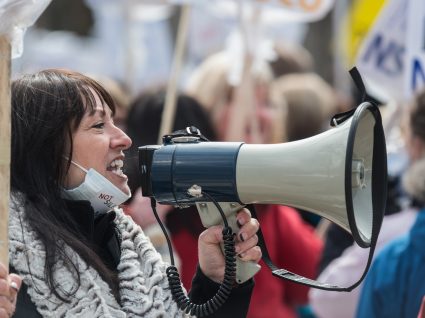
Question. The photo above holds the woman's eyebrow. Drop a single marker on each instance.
(102, 112)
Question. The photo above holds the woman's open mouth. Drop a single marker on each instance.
(116, 168)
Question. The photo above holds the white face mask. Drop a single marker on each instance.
(102, 193)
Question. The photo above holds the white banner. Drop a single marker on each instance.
(392, 57)
(415, 53)
(381, 58)
(285, 10)
(16, 16)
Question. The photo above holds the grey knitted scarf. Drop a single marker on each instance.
(143, 284)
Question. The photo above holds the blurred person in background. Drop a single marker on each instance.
(236, 101)
(292, 243)
(290, 59)
(394, 285)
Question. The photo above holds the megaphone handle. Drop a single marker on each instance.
(210, 216)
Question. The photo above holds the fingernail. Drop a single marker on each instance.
(242, 236)
(238, 223)
(241, 255)
(237, 249)
(14, 286)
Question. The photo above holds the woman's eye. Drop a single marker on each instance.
(99, 125)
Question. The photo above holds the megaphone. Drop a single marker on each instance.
(339, 174)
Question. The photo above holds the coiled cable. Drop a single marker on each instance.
(213, 304)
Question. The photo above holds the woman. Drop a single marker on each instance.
(78, 254)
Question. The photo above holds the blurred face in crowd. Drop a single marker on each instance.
(257, 125)
(415, 145)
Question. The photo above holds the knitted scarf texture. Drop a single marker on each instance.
(143, 284)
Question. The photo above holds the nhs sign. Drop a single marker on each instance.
(392, 57)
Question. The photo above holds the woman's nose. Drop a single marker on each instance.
(120, 139)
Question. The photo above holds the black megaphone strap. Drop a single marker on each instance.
(357, 79)
(287, 275)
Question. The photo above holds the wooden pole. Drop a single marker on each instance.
(5, 125)
(168, 114)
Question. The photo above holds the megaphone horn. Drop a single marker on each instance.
(336, 174)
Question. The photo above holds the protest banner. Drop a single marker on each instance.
(392, 57)
(415, 49)
(381, 56)
(288, 10)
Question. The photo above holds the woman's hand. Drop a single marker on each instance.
(9, 287)
(211, 258)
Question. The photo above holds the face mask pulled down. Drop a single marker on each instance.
(102, 194)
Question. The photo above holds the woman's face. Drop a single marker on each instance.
(98, 144)
(258, 123)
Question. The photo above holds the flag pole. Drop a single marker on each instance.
(170, 97)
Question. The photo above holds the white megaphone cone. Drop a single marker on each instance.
(329, 174)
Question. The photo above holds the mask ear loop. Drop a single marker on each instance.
(76, 164)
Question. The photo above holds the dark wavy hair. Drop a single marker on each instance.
(47, 107)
